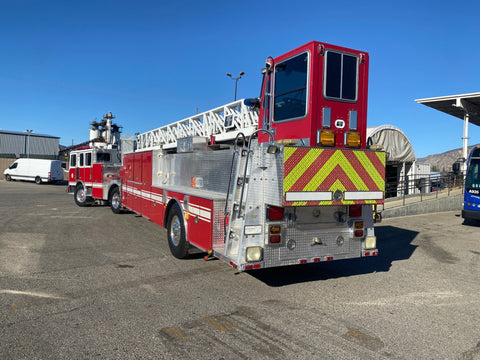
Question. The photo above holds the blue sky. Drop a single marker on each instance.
(65, 63)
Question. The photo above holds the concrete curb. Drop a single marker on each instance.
(450, 203)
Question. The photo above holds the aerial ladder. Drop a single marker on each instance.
(221, 124)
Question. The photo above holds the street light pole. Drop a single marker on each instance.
(28, 142)
(236, 81)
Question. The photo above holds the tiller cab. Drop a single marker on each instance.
(278, 180)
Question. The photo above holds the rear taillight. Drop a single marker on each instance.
(275, 239)
(358, 233)
(275, 213)
(355, 210)
(275, 229)
(275, 232)
(49, 176)
(358, 228)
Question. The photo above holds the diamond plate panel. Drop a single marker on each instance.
(264, 184)
(306, 248)
(178, 169)
(218, 229)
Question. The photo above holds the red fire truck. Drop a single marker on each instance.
(94, 171)
(282, 179)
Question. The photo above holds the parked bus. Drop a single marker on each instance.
(471, 202)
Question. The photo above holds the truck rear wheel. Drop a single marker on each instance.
(80, 196)
(176, 233)
(116, 201)
(38, 180)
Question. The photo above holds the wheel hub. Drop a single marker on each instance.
(115, 201)
(175, 230)
(81, 195)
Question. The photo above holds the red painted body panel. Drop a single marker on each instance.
(146, 184)
(72, 175)
(137, 183)
(140, 196)
(200, 222)
(97, 178)
(157, 210)
(85, 174)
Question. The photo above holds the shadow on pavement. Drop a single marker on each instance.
(393, 244)
(60, 183)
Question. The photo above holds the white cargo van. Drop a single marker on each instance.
(37, 170)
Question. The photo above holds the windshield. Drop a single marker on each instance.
(472, 183)
(103, 157)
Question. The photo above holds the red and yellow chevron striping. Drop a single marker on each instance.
(314, 176)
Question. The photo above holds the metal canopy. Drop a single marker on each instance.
(463, 106)
(456, 105)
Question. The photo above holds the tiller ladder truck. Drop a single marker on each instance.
(282, 179)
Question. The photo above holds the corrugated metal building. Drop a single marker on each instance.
(22, 144)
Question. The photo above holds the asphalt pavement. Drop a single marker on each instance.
(84, 283)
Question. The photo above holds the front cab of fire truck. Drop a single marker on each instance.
(314, 102)
(93, 174)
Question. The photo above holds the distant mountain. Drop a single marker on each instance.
(443, 161)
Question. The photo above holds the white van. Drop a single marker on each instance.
(37, 170)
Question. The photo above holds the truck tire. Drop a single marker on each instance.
(8, 177)
(176, 233)
(116, 201)
(80, 196)
(38, 180)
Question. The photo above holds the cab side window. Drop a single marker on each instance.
(341, 76)
(73, 160)
(88, 159)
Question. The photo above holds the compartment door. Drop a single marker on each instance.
(146, 192)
